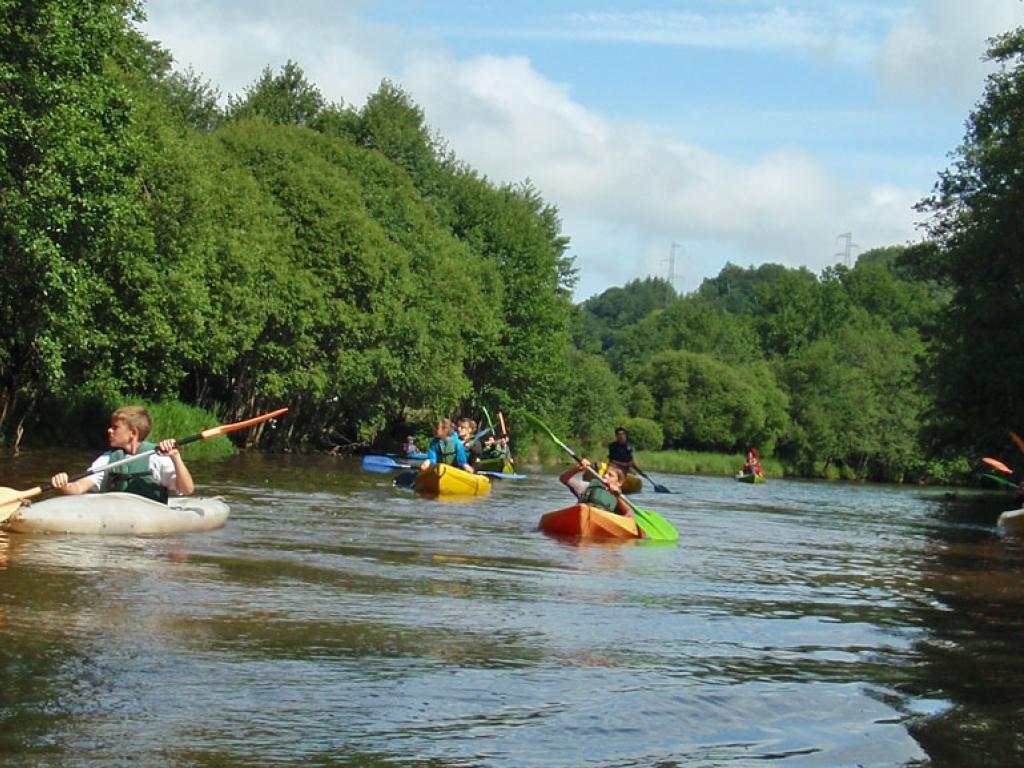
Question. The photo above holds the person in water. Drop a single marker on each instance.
(151, 476)
(602, 491)
(620, 453)
(446, 448)
(409, 446)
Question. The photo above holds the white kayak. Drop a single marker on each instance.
(1012, 521)
(114, 514)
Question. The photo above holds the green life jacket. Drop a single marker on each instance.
(133, 477)
(495, 451)
(597, 495)
(445, 450)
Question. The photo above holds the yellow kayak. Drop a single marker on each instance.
(444, 480)
(633, 484)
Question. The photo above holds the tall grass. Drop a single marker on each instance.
(701, 463)
(174, 419)
(542, 451)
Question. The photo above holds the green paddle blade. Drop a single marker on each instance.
(1001, 480)
(654, 525)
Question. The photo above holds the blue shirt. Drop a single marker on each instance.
(460, 452)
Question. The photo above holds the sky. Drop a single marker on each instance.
(672, 137)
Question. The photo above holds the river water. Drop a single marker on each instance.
(338, 621)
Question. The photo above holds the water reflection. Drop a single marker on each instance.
(337, 620)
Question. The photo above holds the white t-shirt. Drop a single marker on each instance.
(160, 466)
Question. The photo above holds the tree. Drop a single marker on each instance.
(704, 403)
(979, 232)
(284, 99)
(856, 402)
(67, 163)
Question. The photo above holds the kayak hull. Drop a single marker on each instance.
(119, 514)
(444, 480)
(1012, 521)
(750, 478)
(498, 464)
(585, 520)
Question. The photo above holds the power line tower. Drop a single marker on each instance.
(672, 263)
(849, 245)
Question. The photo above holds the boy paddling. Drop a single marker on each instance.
(151, 476)
(603, 492)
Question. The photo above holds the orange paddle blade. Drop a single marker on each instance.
(224, 428)
(998, 465)
(1017, 440)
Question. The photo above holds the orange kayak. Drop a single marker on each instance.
(585, 520)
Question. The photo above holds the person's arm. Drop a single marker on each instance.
(461, 459)
(88, 484)
(183, 482)
(431, 455)
(76, 488)
(574, 481)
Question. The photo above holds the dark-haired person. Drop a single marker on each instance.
(620, 453)
(603, 492)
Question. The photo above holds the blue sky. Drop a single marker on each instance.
(740, 130)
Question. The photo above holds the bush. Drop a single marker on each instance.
(645, 434)
(174, 419)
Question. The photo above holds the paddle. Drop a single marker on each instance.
(487, 416)
(658, 488)
(10, 499)
(651, 523)
(504, 436)
(377, 463)
(998, 465)
(1001, 480)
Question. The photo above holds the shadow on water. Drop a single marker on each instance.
(972, 582)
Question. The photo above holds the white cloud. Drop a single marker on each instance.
(625, 191)
(937, 48)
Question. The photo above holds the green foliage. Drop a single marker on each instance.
(975, 222)
(708, 404)
(283, 99)
(605, 316)
(67, 156)
(195, 101)
(645, 434)
(289, 251)
(174, 419)
(641, 402)
(595, 407)
(856, 403)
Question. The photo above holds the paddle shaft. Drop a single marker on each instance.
(589, 468)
